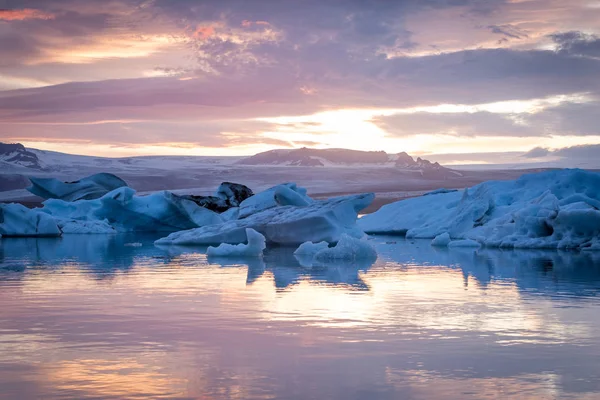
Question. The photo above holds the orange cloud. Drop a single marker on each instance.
(23, 14)
(204, 32)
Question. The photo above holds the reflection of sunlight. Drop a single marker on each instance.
(119, 378)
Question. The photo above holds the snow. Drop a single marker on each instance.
(347, 248)
(552, 209)
(89, 188)
(254, 248)
(325, 220)
(287, 193)
(125, 212)
(18, 220)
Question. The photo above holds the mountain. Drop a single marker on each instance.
(17, 154)
(306, 157)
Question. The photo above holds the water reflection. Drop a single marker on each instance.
(91, 317)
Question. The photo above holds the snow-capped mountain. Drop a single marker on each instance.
(17, 154)
(306, 157)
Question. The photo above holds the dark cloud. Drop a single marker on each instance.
(577, 43)
(537, 152)
(591, 151)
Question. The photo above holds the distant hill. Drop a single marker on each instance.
(17, 154)
(306, 157)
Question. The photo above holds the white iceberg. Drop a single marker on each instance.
(310, 248)
(347, 248)
(552, 209)
(319, 221)
(124, 211)
(254, 248)
(92, 187)
(305, 254)
(281, 195)
(17, 220)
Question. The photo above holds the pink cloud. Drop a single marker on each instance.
(23, 14)
(204, 32)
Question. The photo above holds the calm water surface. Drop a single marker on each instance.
(95, 317)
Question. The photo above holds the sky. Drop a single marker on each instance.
(235, 77)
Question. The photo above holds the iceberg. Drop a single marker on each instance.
(347, 248)
(254, 248)
(441, 240)
(126, 212)
(310, 248)
(552, 209)
(287, 194)
(92, 187)
(229, 195)
(289, 225)
(17, 220)
(305, 254)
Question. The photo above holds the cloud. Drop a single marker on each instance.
(124, 60)
(24, 14)
(584, 151)
(537, 152)
(577, 43)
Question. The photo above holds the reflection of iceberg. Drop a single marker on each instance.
(544, 271)
(100, 254)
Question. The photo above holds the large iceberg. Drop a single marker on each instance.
(125, 212)
(254, 247)
(92, 187)
(552, 209)
(289, 225)
(17, 220)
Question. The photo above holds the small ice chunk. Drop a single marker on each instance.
(441, 240)
(310, 248)
(134, 244)
(347, 248)
(254, 248)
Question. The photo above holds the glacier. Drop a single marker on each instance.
(289, 225)
(89, 188)
(552, 209)
(254, 248)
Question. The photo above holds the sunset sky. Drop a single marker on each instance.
(233, 77)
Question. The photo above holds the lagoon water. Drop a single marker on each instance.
(115, 317)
